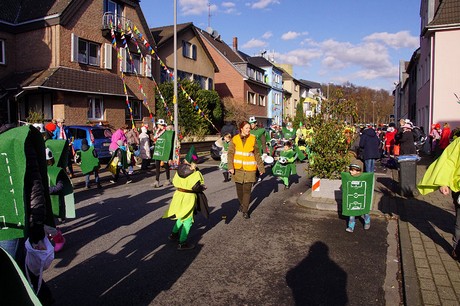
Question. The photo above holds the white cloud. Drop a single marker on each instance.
(290, 35)
(229, 7)
(267, 35)
(298, 57)
(254, 43)
(195, 7)
(261, 4)
(402, 39)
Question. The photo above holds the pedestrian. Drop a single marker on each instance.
(24, 148)
(406, 141)
(357, 186)
(144, 148)
(121, 163)
(444, 175)
(132, 140)
(230, 128)
(188, 181)
(89, 163)
(435, 135)
(444, 141)
(244, 159)
(261, 140)
(161, 154)
(223, 143)
(62, 132)
(389, 140)
(369, 144)
(285, 166)
(119, 134)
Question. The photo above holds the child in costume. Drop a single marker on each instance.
(188, 182)
(223, 143)
(285, 165)
(357, 194)
(89, 163)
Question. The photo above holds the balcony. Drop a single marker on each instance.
(119, 23)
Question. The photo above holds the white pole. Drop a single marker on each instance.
(175, 100)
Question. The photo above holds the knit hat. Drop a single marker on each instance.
(357, 164)
(407, 126)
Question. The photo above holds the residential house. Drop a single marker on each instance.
(273, 76)
(294, 90)
(438, 66)
(62, 59)
(237, 79)
(311, 97)
(193, 59)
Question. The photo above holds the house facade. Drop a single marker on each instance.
(237, 79)
(435, 65)
(82, 61)
(193, 59)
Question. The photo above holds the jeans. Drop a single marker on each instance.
(351, 221)
(96, 177)
(369, 165)
(10, 246)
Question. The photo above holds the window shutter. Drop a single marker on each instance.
(194, 52)
(184, 49)
(73, 48)
(107, 56)
(123, 59)
(148, 65)
(141, 65)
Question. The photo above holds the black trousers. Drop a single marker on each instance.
(157, 170)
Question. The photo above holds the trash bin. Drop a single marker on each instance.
(408, 175)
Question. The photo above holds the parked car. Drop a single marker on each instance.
(97, 136)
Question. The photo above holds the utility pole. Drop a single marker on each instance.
(175, 100)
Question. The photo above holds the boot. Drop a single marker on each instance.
(156, 184)
(226, 177)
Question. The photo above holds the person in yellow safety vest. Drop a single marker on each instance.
(244, 159)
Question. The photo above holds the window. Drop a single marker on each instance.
(210, 84)
(251, 98)
(182, 75)
(95, 108)
(114, 12)
(40, 103)
(188, 50)
(2, 52)
(136, 107)
(277, 98)
(88, 52)
(134, 65)
(261, 100)
(201, 80)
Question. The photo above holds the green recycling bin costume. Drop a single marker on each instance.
(283, 171)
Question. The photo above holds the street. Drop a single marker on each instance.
(118, 253)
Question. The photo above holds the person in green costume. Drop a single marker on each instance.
(260, 139)
(285, 166)
(188, 181)
(444, 175)
(89, 163)
(224, 143)
(289, 132)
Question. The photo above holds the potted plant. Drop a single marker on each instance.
(330, 150)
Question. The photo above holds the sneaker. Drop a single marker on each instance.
(130, 172)
(112, 182)
(185, 246)
(286, 187)
(174, 237)
(167, 183)
(367, 226)
(156, 184)
(349, 229)
(246, 215)
(128, 181)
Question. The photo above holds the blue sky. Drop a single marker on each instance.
(360, 41)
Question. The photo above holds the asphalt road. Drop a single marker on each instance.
(117, 251)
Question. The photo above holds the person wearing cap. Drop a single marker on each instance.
(406, 140)
(259, 133)
(244, 159)
(355, 169)
(158, 134)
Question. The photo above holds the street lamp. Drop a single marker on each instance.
(373, 112)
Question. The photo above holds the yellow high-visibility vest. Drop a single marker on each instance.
(244, 154)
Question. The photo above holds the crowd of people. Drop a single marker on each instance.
(246, 150)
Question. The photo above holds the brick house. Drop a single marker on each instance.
(237, 78)
(193, 61)
(59, 58)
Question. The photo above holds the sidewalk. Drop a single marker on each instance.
(426, 225)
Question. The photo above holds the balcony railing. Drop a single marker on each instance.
(119, 23)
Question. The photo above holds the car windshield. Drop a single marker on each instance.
(101, 133)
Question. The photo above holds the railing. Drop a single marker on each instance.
(119, 23)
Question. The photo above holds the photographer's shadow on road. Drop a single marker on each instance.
(318, 280)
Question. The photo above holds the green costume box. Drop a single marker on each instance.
(163, 146)
(357, 193)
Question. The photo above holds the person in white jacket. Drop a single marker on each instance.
(144, 147)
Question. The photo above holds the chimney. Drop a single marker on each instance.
(235, 44)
